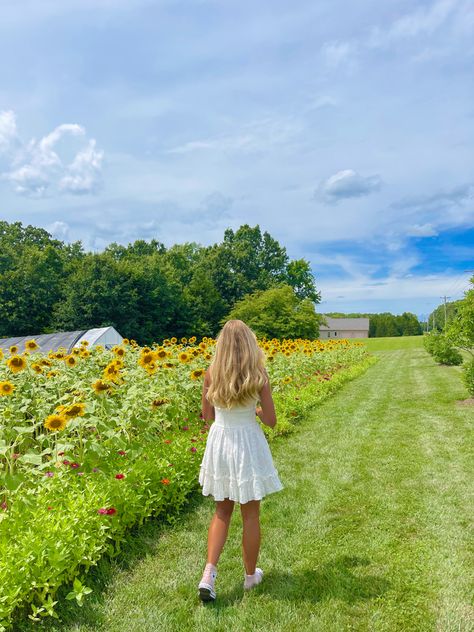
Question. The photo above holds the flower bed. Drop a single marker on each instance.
(95, 441)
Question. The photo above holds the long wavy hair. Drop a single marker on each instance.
(238, 367)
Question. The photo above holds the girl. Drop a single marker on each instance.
(237, 464)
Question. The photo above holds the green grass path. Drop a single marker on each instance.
(372, 530)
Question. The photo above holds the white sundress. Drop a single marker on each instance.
(237, 462)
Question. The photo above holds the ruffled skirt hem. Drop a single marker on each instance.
(242, 491)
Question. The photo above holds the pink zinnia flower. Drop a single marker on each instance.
(122, 452)
(75, 465)
(66, 462)
(95, 469)
(185, 427)
(105, 511)
(49, 474)
(60, 453)
(4, 505)
(119, 476)
(193, 449)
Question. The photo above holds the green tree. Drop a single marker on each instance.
(277, 313)
(461, 329)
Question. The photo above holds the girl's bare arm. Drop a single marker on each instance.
(208, 412)
(267, 410)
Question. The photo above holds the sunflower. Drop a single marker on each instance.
(13, 349)
(146, 358)
(119, 351)
(31, 345)
(1, 354)
(151, 368)
(174, 340)
(184, 357)
(111, 372)
(85, 343)
(184, 340)
(197, 373)
(208, 356)
(51, 374)
(55, 422)
(100, 386)
(6, 388)
(125, 341)
(169, 365)
(192, 340)
(287, 379)
(75, 410)
(16, 363)
(76, 351)
(70, 360)
(160, 353)
(36, 366)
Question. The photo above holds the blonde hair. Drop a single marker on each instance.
(238, 367)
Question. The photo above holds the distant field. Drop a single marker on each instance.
(391, 344)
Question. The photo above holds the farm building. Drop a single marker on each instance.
(344, 328)
(105, 336)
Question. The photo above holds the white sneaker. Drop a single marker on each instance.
(253, 580)
(206, 586)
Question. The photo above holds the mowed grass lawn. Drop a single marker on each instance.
(373, 530)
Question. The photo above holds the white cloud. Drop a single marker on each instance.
(83, 174)
(60, 230)
(336, 53)
(255, 135)
(35, 169)
(347, 184)
(421, 230)
(7, 129)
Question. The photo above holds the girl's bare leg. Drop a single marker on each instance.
(218, 530)
(250, 534)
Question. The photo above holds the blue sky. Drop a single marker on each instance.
(344, 129)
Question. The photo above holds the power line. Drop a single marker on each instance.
(459, 281)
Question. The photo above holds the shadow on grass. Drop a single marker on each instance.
(141, 541)
(342, 578)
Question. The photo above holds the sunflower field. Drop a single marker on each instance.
(94, 441)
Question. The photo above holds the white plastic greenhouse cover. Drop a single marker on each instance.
(106, 336)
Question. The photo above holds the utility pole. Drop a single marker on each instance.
(445, 318)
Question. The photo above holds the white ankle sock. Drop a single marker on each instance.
(210, 573)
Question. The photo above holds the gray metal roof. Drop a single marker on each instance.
(343, 324)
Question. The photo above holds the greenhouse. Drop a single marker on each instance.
(105, 336)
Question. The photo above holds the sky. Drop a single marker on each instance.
(344, 129)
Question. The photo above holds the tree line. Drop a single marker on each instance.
(146, 291)
(387, 324)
